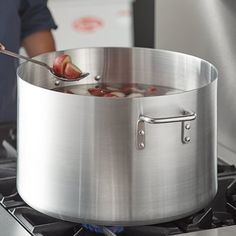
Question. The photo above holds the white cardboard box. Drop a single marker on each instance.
(92, 23)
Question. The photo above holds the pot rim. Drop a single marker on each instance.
(214, 70)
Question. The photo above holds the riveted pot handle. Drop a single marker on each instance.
(185, 119)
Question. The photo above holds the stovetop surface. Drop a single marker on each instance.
(17, 218)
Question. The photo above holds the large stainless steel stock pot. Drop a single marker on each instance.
(126, 161)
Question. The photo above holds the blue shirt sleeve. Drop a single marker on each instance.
(35, 16)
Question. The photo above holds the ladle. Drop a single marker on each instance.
(12, 54)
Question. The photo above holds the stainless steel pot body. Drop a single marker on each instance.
(119, 161)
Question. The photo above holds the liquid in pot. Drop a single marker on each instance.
(117, 90)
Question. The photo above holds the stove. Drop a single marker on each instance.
(17, 218)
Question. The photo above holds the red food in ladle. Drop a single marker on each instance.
(59, 64)
(63, 67)
(72, 71)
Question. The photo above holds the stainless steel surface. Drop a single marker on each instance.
(206, 29)
(9, 226)
(77, 155)
(186, 116)
(108, 232)
(50, 69)
(224, 231)
(226, 154)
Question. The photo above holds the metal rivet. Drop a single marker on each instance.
(187, 139)
(57, 82)
(141, 145)
(188, 126)
(141, 132)
(98, 77)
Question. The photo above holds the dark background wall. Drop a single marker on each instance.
(144, 20)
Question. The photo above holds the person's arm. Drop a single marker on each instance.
(36, 25)
(38, 43)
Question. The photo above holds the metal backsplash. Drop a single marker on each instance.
(207, 29)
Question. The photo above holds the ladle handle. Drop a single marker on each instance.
(78, 72)
(12, 54)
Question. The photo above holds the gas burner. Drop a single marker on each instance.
(101, 229)
(42, 225)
